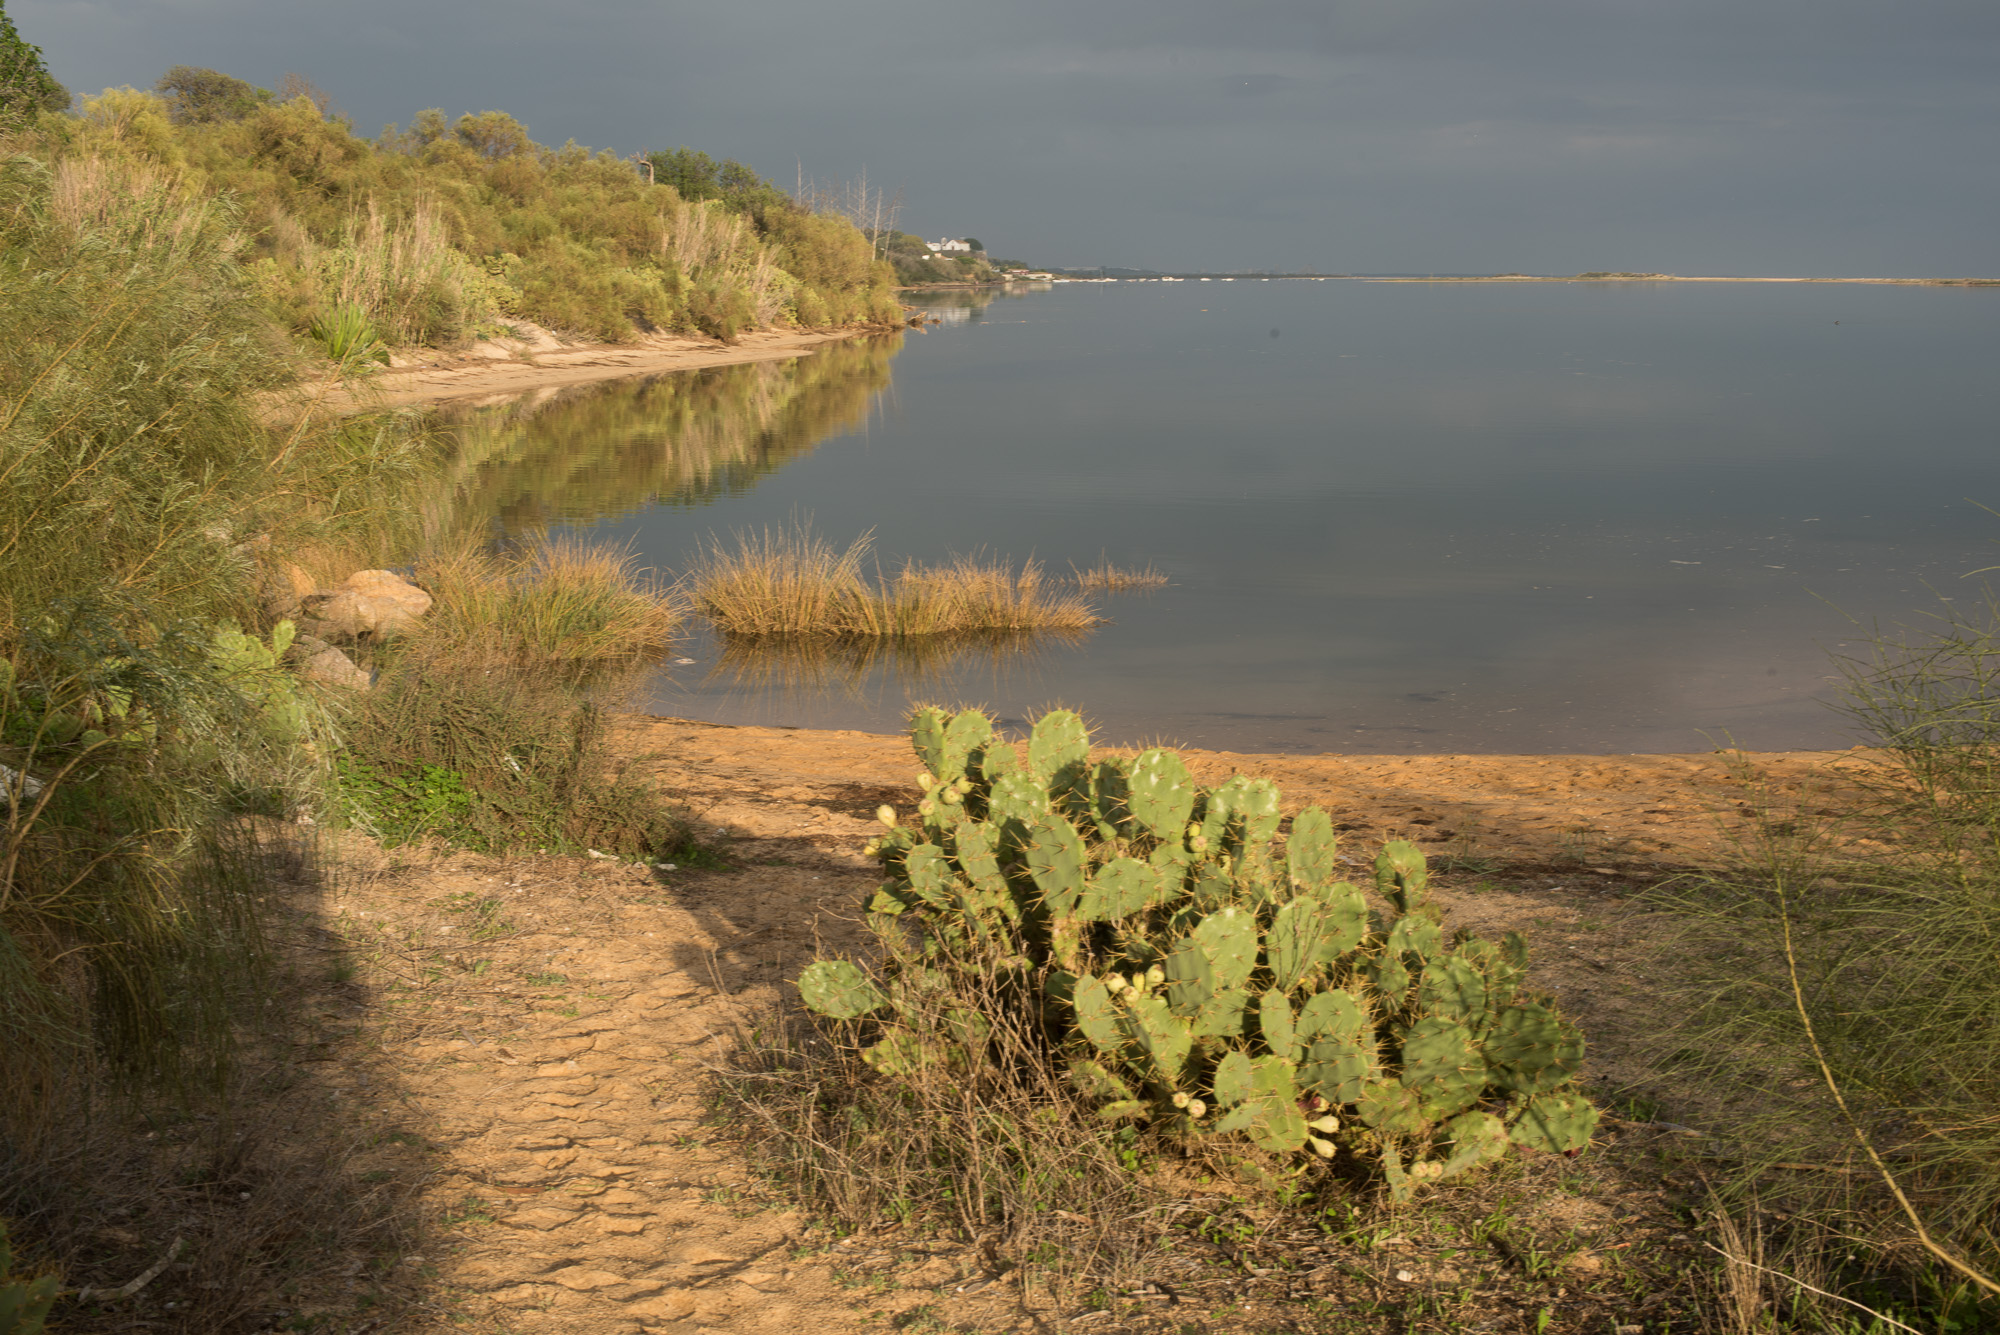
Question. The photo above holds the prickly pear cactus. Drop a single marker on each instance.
(1197, 964)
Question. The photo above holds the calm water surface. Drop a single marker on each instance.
(1536, 518)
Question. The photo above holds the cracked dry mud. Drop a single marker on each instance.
(544, 1025)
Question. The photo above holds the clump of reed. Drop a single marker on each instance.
(1110, 578)
(791, 582)
(558, 600)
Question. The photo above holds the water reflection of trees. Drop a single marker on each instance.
(966, 302)
(808, 667)
(600, 451)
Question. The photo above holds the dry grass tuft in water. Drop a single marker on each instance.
(792, 582)
(558, 599)
(1109, 578)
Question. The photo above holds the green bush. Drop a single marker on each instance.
(443, 232)
(1190, 973)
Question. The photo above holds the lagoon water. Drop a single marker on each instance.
(1397, 517)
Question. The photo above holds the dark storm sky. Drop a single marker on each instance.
(1780, 137)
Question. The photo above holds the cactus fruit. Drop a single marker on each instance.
(839, 988)
(1190, 962)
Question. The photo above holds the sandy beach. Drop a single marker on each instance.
(499, 368)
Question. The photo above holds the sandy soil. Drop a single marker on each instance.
(504, 367)
(543, 1028)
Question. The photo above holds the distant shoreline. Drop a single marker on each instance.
(1077, 276)
(1670, 278)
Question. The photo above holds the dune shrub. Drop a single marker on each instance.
(1852, 944)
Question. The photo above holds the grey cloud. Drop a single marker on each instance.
(1734, 135)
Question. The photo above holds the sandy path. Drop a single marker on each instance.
(546, 1022)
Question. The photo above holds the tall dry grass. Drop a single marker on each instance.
(792, 582)
(998, 1148)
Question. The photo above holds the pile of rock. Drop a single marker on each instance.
(366, 607)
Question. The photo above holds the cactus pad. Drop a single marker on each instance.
(1415, 934)
(1058, 742)
(1160, 793)
(1097, 1015)
(1122, 887)
(1274, 1023)
(1453, 988)
(1232, 1079)
(1532, 1049)
(1015, 796)
(1292, 944)
(1338, 1069)
(927, 727)
(1312, 851)
(1345, 921)
(1056, 860)
(1222, 1017)
(1162, 1038)
(1191, 981)
(967, 733)
(1093, 1081)
(839, 988)
(1560, 1122)
(1400, 876)
(1230, 938)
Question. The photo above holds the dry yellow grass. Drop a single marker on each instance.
(562, 599)
(789, 581)
(1116, 579)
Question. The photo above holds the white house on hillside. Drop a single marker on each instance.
(950, 246)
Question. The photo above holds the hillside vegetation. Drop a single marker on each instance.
(451, 229)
